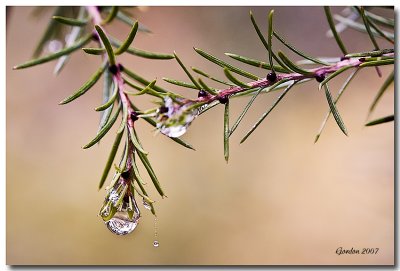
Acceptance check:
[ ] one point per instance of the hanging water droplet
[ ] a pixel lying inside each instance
(121, 224)
(173, 119)
(146, 205)
(156, 243)
(176, 128)
(173, 131)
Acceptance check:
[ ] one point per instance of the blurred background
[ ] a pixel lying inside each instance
(281, 199)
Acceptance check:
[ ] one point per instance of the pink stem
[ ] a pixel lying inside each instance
(124, 98)
(264, 82)
(96, 19)
(95, 14)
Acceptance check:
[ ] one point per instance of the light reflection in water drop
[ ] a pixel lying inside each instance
(173, 120)
(156, 243)
(113, 196)
(173, 131)
(121, 224)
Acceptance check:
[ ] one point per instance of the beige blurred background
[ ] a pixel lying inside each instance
(280, 200)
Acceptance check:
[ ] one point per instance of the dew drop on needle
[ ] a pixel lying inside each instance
(146, 205)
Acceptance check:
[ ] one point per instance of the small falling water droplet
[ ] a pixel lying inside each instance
(155, 242)
(121, 224)
(146, 205)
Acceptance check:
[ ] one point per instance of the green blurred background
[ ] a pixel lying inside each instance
(280, 200)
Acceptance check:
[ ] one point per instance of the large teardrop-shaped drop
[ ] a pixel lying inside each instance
(121, 224)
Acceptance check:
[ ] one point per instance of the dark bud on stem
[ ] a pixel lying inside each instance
(120, 67)
(202, 93)
(113, 69)
(319, 77)
(126, 197)
(134, 116)
(125, 174)
(271, 77)
(163, 109)
(223, 99)
(361, 59)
